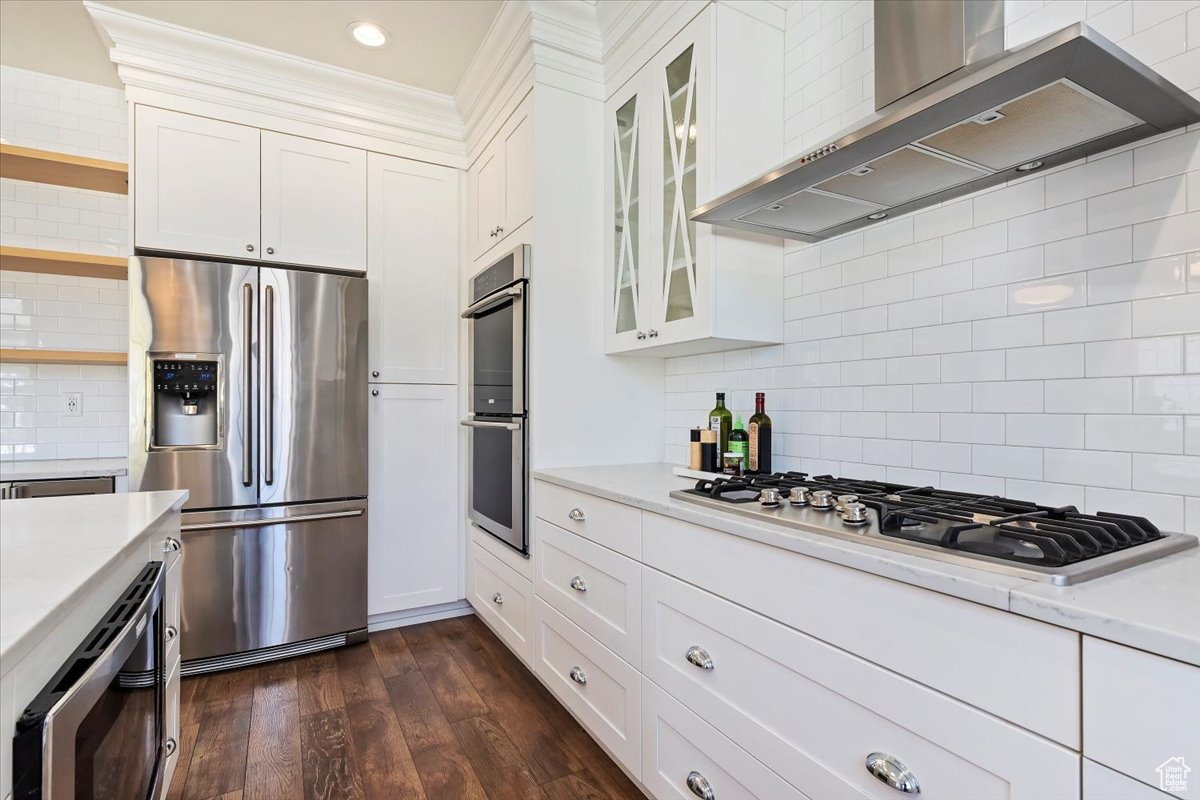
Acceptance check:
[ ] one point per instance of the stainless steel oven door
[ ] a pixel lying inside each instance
(105, 737)
(497, 352)
(496, 488)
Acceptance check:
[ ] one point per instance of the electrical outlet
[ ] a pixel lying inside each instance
(72, 404)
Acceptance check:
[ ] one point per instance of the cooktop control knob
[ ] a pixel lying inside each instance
(798, 496)
(769, 498)
(843, 499)
(854, 514)
(821, 499)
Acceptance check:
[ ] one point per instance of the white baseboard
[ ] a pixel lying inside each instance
(415, 616)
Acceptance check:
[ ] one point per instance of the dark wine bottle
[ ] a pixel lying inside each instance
(760, 438)
(739, 442)
(721, 420)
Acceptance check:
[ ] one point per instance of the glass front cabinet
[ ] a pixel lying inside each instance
(674, 286)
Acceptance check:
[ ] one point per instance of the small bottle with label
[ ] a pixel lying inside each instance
(739, 442)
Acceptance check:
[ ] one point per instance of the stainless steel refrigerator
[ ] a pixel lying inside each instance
(248, 389)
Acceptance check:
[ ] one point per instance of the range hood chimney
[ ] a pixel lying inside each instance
(957, 113)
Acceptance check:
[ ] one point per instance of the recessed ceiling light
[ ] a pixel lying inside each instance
(368, 34)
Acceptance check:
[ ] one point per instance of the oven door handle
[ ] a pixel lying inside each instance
(477, 423)
(492, 300)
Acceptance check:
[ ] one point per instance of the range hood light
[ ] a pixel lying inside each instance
(863, 170)
(988, 117)
(1030, 166)
(775, 207)
(877, 215)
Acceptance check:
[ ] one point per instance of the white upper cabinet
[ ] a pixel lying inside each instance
(674, 286)
(414, 545)
(196, 184)
(412, 259)
(500, 182)
(314, 202)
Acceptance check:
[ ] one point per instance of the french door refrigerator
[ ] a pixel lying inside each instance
(247, 388)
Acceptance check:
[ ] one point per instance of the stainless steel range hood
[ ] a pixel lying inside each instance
(987, 116)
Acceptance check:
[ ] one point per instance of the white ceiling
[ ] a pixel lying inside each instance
(431, 41)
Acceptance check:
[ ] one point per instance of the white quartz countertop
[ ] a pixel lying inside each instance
(1153, 607)
(53, 550)
(62, 468)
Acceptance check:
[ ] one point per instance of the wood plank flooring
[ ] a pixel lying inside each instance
(440, 711)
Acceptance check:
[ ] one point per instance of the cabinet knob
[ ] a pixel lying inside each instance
(892, 771)
(374, 393)
(171, 545)
(498, 599)
(249, 248)
(641, 335)
(577, 514)
(499, 231)
(270, 251)
(699, 786)
(653, 334)
(579, 676)
(578, 584)
(171, 632)
(375, 373)
(700, 657)
(169, 745)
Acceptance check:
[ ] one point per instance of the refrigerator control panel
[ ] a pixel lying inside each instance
(185, 377)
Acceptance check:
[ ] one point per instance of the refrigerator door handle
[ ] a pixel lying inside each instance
(269, 381)
(247, 365)
(262, 523)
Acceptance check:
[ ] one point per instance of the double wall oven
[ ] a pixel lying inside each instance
(97, 730)
(499, 419)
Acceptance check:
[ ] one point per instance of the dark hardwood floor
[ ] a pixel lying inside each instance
(440, 711)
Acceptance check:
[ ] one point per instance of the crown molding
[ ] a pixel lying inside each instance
(555, 42)
(632, 31)
(158, 57)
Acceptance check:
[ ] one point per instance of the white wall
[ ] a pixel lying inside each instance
(1040, 340)
(57, 311)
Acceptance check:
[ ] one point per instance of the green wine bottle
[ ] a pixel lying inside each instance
(721, 420)
(739, 442)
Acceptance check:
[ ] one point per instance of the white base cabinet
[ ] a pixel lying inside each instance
(674, 286)
(503, 599)
(414, 549)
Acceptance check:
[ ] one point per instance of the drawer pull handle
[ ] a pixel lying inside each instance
(171, 545)
(700, 657)
(578, 584)
(498, 599)
(579, 676)
(700, 786)
(892, 771)
(577, 514)
(171, 632)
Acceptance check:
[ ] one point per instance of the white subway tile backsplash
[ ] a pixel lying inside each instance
(976, 242)
(1002, 332)
(941, 396)
(1141, 279)
(943, 220)
(1089, 396)
(1011, 267)
(1173, 155)
(888, 398)
(888, 290)
(952, 338)
(1088, 467)
(913, 369)
(888, 236)
(920, 426)
(1047, 294)
(975, 304)
(1167, 237)
(1135, 433)
(1147, 201)
(972, 366)
(1089, 179)
(1166, 315)
(1167, 394)
(1024, 397)
(888, 452)
(942, 280)
(1007, 462)
(1153, 356)
(915, 313)
(1045, 430)
(913, 257)
(1053, 224)
(1047, 494)
(1086, 252)
(973, 428)
(1050, 361)
(1170, 474)
(1010, 201)
(1112, 321)
(942, 456)
(1167, 509)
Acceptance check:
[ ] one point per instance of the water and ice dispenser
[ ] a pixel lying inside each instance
(186, 399)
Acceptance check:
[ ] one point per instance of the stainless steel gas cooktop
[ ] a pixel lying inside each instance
(998, 534)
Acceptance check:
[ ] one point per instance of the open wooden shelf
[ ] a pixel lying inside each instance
(80, 172)
(17, 356)
(53, 262)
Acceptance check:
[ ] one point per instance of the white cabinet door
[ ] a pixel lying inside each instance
(314, 203)
(412, 262)
(487, 198)
(195, 184)
(516, 138)
(413, 544)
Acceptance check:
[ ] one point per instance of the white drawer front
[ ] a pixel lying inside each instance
(1140, 711)
(602, 690)
(1102, 783)
(681, 747)
(502, 598)
(171, 589)
(171, 716)
(597, 589)
(814, 713)
(611, 524)
(966, 650)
